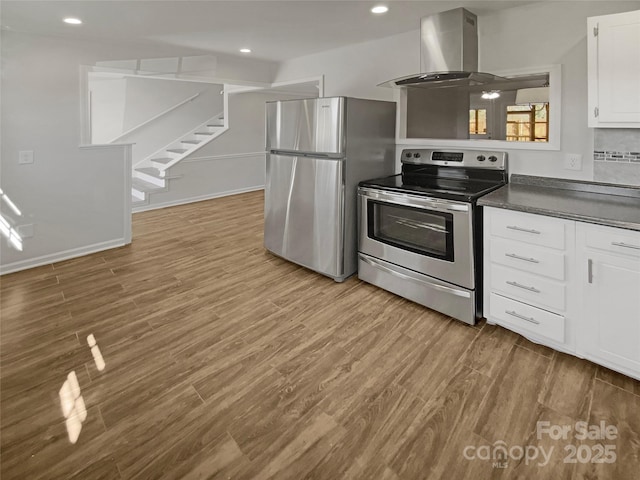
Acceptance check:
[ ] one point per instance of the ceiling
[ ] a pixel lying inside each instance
(274, 30)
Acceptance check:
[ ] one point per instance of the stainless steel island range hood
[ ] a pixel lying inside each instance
(448, 53)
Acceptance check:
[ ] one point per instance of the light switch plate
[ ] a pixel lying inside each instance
(25, 156)
(573, 161)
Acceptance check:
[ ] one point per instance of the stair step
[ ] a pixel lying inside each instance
(203, 133)
(136, 201)
(190, 142)
(215, 126)
(151, 171)
(163, 160)
(142, 186)
(179, 151)
(151, 175)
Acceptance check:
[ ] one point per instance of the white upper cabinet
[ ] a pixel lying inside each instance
(614, 70)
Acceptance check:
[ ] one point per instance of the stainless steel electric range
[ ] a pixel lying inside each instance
(420, 231)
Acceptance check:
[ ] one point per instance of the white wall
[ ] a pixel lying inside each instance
(108, 96)
(355, 70)
(73, 197)
(146, 97)
(231, 163)
(542, 33)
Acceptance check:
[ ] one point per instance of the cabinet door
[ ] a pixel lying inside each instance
(614, 70)
(610, 327)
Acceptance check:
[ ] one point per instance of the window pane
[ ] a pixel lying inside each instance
(482, 121)
(478, 121)
(526, 123)
(541, 112)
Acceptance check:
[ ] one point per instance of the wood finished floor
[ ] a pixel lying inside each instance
(223, 361)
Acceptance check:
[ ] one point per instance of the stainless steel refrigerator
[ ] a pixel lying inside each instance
(317, 152)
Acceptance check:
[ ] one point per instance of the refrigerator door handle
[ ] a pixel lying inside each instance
(293, 153)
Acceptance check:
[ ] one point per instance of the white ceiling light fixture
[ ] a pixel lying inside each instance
(527, 96)
(492, 95)
(245, 50)
(380, 9)
(72, 21)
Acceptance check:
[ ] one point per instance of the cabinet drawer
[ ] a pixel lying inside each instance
(529, 228)
(510, 313)
(533, 259)
(613, 240)
(533, 289)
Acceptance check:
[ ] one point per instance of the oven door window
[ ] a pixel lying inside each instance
(427, 232)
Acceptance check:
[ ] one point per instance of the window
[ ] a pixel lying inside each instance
(478, 121)
(528, 123)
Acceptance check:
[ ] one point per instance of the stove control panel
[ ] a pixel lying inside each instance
(455, 158)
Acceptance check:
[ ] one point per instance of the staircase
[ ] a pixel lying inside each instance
(152, 175)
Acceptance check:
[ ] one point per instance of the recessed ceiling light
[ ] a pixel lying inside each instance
(380, 9)
(245, 50)
(72, 21)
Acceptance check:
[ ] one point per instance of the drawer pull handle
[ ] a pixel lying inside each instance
(625, 245)
(526, 259)
(520, 229)
(524, 287)
(522, 317)
(590, 271)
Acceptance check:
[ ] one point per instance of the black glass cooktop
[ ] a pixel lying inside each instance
(447, 183)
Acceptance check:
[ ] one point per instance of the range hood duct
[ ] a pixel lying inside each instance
(448, 53)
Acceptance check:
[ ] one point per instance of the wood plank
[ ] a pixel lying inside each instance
(619, 409)
(622, 381)
(569, 387)
(512, 404)
(489, 350)
(431, 446)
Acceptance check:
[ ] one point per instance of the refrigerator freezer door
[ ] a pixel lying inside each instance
(307, 126)
(304, 223)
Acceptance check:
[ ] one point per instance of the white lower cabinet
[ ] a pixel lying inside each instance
(609, 267)
(569, 285)
(528, 272)
(520, 316)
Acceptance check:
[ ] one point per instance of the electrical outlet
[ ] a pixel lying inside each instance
(25, 156)
(573, 161)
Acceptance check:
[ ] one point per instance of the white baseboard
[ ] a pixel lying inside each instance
(200, 198)
(60, 256)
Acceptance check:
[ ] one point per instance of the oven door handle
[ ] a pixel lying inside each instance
(435, 286)
(413, 201)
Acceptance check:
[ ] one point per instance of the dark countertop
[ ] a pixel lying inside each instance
(591, 202)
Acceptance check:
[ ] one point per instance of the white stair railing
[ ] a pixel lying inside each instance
(155, 117)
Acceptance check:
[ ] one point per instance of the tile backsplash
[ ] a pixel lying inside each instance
(616, 155)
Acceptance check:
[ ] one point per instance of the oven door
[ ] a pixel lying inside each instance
(429, 235)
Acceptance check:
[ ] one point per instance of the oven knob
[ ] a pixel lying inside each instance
(408, 154)
(480, 158)
(493, 158)
(416, 155)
